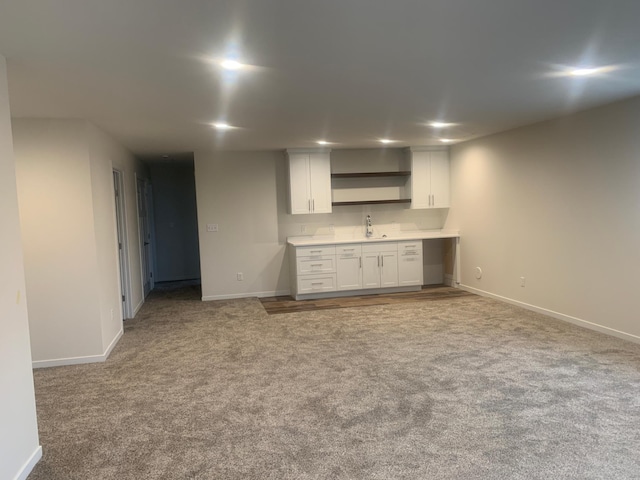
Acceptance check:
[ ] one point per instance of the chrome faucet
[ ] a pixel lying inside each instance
(369, 226)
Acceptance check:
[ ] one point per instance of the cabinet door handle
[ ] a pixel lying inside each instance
(382, 256)
(313, 204)
(360, 261)
(309, 205)
(378, 260)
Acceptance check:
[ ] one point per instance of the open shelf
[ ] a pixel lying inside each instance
(370, 202)
(403, 173)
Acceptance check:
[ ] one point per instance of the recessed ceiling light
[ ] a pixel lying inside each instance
(222, 126)
(229, 64)
(387, 140)
(441, 124)
(323, 142)
(588, 71)
(447, 140)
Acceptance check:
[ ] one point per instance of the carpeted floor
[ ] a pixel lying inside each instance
(463, 388)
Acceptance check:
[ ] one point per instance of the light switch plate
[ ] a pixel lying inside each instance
(212, 227)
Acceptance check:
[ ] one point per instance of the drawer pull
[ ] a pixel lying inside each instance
(316, 283)
(312, 251)
(410, 246)
(316, 264)
(348, 249)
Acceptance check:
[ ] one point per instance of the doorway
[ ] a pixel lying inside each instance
(123, 246)
(143, 195)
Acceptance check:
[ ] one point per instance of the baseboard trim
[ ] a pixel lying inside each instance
(137, 308)
(28, 467)
(113, 343)
(272, 293)
(61, 362)
(557, 315)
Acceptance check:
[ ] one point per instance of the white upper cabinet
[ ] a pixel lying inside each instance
(309, 181)
(429, 178)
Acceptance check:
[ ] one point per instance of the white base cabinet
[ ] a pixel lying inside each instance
(355, 267)
(349, 266)
(410, 269)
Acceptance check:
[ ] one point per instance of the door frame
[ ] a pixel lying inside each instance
(123, 242)
(146, 186)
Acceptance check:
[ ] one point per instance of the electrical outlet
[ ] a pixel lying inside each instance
(303, 229)
(240, 276)
(332, 228)
(522, 281)
(212, 227)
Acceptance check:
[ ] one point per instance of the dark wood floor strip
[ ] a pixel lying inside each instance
(286, 304)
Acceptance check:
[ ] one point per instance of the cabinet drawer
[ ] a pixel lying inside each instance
(308, 265)
(405, 247)
(317, 251)
(317, 283)
(380, 247)
(349, 249)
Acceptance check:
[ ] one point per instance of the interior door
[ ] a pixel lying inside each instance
(145, 234)
(122, 244)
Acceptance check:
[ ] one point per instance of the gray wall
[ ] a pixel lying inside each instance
(177, 255)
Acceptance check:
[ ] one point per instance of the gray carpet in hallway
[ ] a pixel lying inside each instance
(464, 388)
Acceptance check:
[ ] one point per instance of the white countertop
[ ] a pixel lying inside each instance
(312, 240)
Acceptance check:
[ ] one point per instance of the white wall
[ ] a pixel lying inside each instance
(18, 428)
(559, 204)
(56, 213)
(109, 153)
(65, 194)
(238, 192)
(245, 193)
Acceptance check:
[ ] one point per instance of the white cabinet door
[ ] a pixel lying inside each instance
(309, 182)
(388, 269)
(370, 270)
(410, 269)
(299, 186)
(320, 182)
(420, 180)
(349, 269)
(430, 179)
(440, 180)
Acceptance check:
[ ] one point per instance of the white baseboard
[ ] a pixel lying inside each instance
(559, 316)
(26, 469)
(137, 308)
(59, 362)
(275, 293)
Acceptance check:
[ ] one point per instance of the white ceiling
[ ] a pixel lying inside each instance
(350, 71)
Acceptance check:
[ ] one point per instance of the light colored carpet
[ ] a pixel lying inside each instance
(465, 388)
